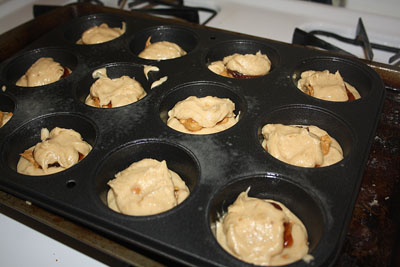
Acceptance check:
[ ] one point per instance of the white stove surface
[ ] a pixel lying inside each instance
(273, 19)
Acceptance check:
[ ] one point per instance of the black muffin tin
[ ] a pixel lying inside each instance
(215, 167)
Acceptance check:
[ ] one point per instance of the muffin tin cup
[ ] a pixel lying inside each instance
(19, 65)
(242, 46)
(7, 104)
(352, 73)
(303, 204)
(74, 31)
(28, 135)
(215, 167)
(183, 37)
(178, 159)
(113, 71)
(201, 89)
(312, 116)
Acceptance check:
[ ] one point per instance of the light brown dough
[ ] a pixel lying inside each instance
(161, 50)
(262, 232)
(101, 34)
(44, 71)
(327, 86)
(59, 150)
(4, 117)
(203, 115)
(111, 93)
(146, 187)
(299, 145)
(242, 66)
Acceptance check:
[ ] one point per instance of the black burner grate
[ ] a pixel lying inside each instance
(310, 39)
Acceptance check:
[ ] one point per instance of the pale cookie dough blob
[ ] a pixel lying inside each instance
(303, 146)
(44, 71)
(210, 115)
(159, 82)
(327, 86)
(262, 232)
(59, 150)
(99, 73)
(111, 93)
(101, 34)
(4, 117)
(148, 68)
(146, 187)
(161, 51)
(242, 66)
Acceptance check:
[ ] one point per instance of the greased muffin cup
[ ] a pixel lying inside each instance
(215, 167)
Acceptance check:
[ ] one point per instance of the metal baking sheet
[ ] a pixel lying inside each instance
(215, 167)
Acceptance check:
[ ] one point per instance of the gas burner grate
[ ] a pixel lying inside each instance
(361, 39)
(172, 8)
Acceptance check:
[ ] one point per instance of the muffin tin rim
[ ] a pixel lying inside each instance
(75, 87)
(354, 64)
(37, 53)
(129, 145)
(258, 125)
(93, 17)
(259, 176)
(242, 40)
(165, 27)
(11, 135)
(167, 93)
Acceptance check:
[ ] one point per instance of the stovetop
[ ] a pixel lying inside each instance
(272, 19)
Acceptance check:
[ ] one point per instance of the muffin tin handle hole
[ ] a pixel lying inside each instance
(70, 184)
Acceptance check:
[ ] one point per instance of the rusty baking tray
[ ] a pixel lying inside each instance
(215, 167)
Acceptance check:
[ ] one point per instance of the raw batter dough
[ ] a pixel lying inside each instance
(161, 50)
(242, 66)
(204, 115)
(59, 150)
(146, 187)
(262, 232)
(111, 93)
(303, 146)
(327, 86)
(4, 117)
(44, 71)
(101, 34)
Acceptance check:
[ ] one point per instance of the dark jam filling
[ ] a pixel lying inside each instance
(238, 75)
(349, 94)
(56, 164)
(287, 234)
(276, 206)
(67, 72)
